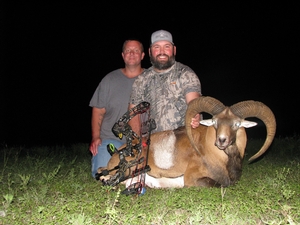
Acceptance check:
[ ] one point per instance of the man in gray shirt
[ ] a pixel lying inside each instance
(110, 102)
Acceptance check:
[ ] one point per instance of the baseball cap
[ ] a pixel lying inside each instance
(161, 35)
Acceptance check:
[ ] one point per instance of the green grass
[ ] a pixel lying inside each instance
(53, 185)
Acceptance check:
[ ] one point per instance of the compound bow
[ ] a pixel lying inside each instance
(121, 128)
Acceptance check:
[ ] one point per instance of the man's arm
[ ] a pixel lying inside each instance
(189, 97)
(135, 122)
(97, 118)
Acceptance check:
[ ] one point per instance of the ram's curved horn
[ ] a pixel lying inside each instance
(259, 110)
(202, 104)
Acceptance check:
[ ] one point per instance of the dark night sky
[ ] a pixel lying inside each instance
(55, 54)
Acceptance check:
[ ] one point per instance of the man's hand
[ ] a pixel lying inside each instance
(94, 145)
(195, 121)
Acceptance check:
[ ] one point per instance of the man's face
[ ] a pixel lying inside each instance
(162, 55)
(132, 53)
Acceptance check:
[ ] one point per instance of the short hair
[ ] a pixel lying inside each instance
(133, 39)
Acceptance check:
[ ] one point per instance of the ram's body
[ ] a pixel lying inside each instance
(210, 155)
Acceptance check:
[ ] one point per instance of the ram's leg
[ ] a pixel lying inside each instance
(105, 173)
(102, 174)
(114, 161)
(198, 176)
(164, 182)
(207, 182)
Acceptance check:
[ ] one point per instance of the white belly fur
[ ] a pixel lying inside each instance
(163, 151)
(163, 182)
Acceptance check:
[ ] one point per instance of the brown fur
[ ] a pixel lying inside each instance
(210, 155)
(210, 169)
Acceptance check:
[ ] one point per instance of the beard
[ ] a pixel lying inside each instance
(162, 65)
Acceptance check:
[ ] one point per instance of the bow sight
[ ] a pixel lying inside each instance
(121, 128)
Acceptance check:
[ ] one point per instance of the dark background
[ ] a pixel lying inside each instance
(53, 55)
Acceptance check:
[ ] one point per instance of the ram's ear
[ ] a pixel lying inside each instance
(248, 124)
(208, 122)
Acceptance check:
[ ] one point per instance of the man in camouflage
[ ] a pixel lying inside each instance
(168, 86)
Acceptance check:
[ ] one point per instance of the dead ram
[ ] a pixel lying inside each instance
(208, 156)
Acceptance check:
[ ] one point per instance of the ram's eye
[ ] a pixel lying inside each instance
(237, 124)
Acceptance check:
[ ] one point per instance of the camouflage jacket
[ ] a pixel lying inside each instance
(166, 93)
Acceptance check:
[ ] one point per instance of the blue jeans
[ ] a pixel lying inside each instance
(103, 156)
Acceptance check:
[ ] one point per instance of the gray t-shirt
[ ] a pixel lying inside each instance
(166, 94)
(113, 94)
